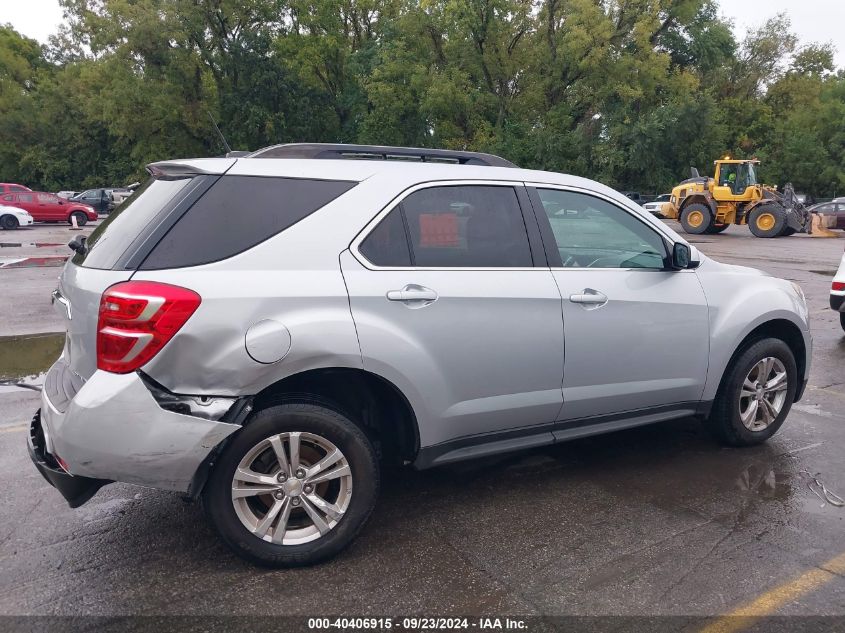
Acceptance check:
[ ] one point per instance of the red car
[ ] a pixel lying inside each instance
(10, 187)
(48, 207)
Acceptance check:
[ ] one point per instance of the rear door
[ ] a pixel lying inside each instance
(467, 319)
(27, 202)
(637, 334)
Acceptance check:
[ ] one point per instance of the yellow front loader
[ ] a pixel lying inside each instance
(733, 196)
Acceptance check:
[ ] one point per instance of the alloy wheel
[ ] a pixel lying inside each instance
(292, 488)
(763, 394)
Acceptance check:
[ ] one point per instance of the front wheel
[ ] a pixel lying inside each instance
(767, 220)
(81, 218)
(756, 394)
(294, 487)
(9, 222)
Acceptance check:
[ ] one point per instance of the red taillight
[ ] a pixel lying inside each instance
(136, 320)
(838, 285)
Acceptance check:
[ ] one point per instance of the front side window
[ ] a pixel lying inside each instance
(466, 226)
(45, 198)
(16, 188)
(592, 233)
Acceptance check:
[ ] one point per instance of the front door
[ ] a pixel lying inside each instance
(636, 334)
(450, 307)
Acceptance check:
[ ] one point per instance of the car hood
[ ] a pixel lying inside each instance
(712, 266)
(14, 211)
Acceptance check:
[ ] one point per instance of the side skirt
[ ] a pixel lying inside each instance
(486, 444)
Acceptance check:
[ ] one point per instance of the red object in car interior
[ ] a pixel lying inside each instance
(137, 319)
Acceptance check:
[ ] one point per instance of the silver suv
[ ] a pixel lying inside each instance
(261, 331)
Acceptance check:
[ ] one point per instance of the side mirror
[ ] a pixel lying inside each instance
(681, 256)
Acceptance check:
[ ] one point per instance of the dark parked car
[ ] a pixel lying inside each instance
(633, 195)
(100, 199)
(833, 208)
(48, 207)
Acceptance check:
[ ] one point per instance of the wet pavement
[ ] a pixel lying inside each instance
(655, 520)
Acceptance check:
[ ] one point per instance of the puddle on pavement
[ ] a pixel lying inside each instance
(27, 358)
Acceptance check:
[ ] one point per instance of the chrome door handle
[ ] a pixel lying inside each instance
(412, 292)
(589, 297)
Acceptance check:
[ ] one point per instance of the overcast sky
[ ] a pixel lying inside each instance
(812, 20)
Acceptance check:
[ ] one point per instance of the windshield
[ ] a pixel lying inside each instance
(117, 232)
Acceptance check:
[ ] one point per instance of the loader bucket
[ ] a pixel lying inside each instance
(821, 224)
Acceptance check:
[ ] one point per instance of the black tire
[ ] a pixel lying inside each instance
(842, 320)
(788, 231)
(767, 220)
(717, 228)
(9, 222)
(696, 218)
(289, 417)
(81, 218)
(725, 422)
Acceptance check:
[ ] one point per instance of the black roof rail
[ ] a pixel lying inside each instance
(379, 152)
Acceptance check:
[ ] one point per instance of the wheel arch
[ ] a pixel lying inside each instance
(779, 328)
(701, 199)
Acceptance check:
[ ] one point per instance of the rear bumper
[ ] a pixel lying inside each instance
(113, 429)
(76, 490)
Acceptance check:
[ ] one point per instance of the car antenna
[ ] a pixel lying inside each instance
(222, 138)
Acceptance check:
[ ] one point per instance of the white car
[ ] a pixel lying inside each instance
(654, 206)
(12, 217)
(837, 292)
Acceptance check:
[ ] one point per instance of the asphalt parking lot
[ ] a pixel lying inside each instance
(652, 521)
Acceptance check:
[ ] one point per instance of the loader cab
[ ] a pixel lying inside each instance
(734, 177)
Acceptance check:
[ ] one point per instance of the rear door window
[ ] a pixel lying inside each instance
(467, 226)
(387, 244)
(237, 213)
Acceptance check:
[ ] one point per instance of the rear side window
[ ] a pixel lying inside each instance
(467, 226)
(237, 213)
(110, 240)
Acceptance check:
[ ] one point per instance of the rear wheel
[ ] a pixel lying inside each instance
(767, 220)
(756, 394)
(282, 493)
(696, 218)
(81, 218)
(9, 222)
